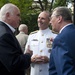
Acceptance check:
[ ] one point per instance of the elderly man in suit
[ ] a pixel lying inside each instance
(62, 58)
(12, 59)
(22, 36)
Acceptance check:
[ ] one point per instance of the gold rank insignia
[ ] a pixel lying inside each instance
(34, 32)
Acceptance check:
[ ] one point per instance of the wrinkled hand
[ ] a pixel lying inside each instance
(33, 58)
(45, 59)
(39, 59)
(29, 51)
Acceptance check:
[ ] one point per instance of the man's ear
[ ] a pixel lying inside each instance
(7, 14)
(59, 19)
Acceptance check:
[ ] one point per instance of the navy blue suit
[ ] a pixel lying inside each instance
(12, 59)
(62, 58)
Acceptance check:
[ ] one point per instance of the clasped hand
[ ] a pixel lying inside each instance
(39, 59)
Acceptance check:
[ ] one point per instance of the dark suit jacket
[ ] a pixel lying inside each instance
(62, 58)
(12, 60)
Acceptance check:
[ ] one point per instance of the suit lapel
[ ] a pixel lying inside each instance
(10, 31)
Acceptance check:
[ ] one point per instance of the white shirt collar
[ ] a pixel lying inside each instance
(64, 27)
(12, 29)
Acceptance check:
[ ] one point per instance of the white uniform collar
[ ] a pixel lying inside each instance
(45, 31)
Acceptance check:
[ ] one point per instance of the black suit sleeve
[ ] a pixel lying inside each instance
(11, 55)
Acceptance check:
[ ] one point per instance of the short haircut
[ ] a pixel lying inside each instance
(22, 26)
(64, 12)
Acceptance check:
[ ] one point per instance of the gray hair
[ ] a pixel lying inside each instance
(64, 12)
(22, 27)
(7, 8)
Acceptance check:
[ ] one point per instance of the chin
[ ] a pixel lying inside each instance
(53, 29)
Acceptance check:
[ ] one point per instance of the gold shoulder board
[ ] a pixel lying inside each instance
(34, 32)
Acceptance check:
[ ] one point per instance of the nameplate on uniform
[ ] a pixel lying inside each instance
(34, 40)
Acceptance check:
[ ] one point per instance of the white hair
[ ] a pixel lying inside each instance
(22, 26)
(7, 8)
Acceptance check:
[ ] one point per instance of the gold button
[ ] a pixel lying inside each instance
(42, 34)
(41, 50)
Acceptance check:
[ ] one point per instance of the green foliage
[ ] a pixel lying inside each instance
(31, 21)
(59, 3)
(2, 2)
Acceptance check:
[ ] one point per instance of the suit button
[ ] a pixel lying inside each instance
(40, 70)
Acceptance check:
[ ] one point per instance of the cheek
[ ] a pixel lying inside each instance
(15, 21)
(53, 24)
(51, 21)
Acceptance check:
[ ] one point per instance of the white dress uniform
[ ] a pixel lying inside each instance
(40, 44)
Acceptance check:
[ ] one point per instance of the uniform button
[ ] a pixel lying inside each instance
(42, 34)
(41, 50)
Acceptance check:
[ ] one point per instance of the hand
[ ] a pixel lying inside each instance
(51, 39)
(45, 59)
(29, 51)
(39, 59)
(36, 59)
(33, 58)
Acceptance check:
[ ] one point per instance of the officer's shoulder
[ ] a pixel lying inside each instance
(34, 32)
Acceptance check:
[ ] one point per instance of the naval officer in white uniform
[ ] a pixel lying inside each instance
(39, 42)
